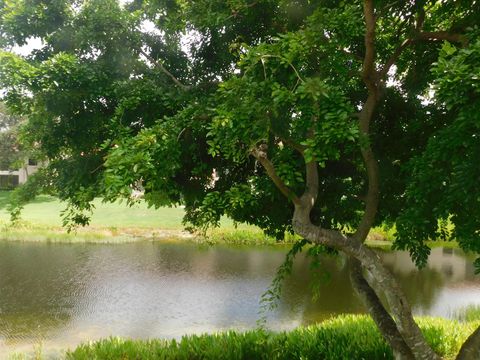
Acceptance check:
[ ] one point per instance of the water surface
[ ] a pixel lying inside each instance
(59, 295)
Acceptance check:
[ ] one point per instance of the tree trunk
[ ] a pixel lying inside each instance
(384, 281)
(382, 318)
(470, 349)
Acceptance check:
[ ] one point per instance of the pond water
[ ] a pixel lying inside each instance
(58, 295)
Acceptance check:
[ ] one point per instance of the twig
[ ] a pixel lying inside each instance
(162, 68)
(261, 156)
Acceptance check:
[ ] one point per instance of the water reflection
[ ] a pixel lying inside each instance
(65, 294)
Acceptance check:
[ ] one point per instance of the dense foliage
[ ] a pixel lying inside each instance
(338, 115)
(167, 93)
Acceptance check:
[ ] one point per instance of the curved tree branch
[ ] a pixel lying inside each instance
(261, 156)
(394, 57)
(421, 36)
(384, 281)
(163, 69)
(370, 77)
(371, 166)
(290, 142)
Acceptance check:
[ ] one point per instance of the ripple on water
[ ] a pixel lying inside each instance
(61, 295)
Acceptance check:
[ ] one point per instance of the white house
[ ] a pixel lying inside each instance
(13, 178)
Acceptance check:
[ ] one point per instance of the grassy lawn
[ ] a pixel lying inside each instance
(45, 210)
(117, 222)
(41, 220)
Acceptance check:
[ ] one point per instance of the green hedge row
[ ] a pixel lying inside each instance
(345, 337)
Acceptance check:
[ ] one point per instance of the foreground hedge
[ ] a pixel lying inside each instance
(345, 337)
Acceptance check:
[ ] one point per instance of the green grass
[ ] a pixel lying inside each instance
(344, 337)
(468, 313)
(116, 222)
(119, 223)
(45, 211)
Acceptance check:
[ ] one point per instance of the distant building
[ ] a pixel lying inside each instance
(10, 179)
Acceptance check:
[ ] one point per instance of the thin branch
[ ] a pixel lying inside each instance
(288, 62)
(290, 142)
(311, 189)
(418, 36)
(296, 146)
(387, 7)
(421, 36)
(235, 13)
(442, 35)
(162, 68)
(392, 60)
(261, 156)
(420, 19)
(351, 54)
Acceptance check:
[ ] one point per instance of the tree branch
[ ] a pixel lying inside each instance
(162, 68)
(236, 12)
(371, 165)
(311, 189)
(420, 19)
(393, 59)
(289, 142)
(384, 281)
(261, 156)
(442, 35)
(368, 71)
(311, 176)
(421, 36)
(370, 77)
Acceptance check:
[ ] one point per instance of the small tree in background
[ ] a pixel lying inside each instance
(10, 153)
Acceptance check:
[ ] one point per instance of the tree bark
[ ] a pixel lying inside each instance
(399, 328)
(470, 349)
(379, 314)
(383, 280)
(411, 341)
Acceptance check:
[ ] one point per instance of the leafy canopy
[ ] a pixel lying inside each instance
(176, 95)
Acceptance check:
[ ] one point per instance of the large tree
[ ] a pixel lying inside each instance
(321, 118)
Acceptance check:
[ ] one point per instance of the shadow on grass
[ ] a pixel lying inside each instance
(5, 196)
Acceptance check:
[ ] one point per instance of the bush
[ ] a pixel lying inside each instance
(344, 337)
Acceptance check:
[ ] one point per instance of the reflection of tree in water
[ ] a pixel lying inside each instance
(45, 287)
(38, 288)
(335, 293)
(421, 286)
(218, 262)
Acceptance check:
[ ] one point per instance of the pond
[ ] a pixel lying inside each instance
(58, 295)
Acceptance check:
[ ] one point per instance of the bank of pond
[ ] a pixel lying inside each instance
(56, 296)
(348, 337)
